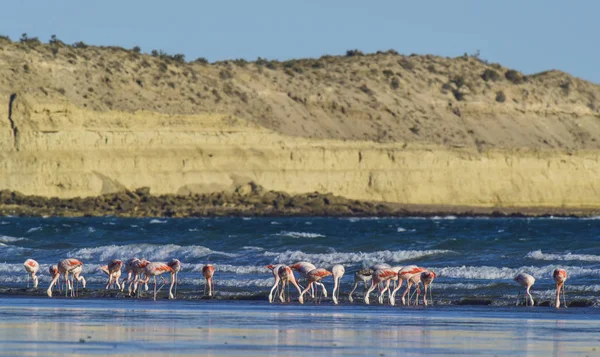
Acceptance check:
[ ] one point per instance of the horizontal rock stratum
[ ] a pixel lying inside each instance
(415, 130)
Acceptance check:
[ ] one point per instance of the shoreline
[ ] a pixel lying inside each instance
(195, 295)
(252, 201)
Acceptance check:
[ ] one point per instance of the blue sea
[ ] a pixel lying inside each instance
(473, 257)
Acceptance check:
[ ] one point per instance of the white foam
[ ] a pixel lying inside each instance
(250, 247)
(438, 218)
(247, 218)
(91, 229)
(328, 259)
(495, 273)
(152, 252)
(228, 268)
(9, 239)
(299, 234)
(4, 223)
(400, 229)
(34, 229)
(275, 223)
(537, 254)
(158, 221)
(238, 283)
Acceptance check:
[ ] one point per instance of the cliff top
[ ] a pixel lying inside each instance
(385, 97)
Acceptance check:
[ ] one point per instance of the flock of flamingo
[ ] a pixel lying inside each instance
(381, 276)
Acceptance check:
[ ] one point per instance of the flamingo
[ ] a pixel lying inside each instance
(175, 264)
(275, 270)
(64, 267)
(380, 276)
(76, 276)
(53, 270)
(338, 271)
(304, 268)
(405, 273)
(286, 275)
(208, 271)
(154, 270)
(32, 267)
(526, 281)
(113, 270)
(136, 266)
(129, 268)
(363, 275)
(427, 279)
(560, 276)
(315, 276)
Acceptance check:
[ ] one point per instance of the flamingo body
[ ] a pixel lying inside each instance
(526, 281)
(208, 271)
(338, 272)
(560, 276)
(32, 267)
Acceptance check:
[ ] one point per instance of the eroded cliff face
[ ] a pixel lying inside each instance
(72, 126)
(65, 151)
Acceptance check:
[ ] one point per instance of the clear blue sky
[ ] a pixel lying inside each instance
(529, 35)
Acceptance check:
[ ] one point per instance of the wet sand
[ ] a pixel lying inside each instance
(69, 327)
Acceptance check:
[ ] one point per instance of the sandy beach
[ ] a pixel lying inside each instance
(63, 327)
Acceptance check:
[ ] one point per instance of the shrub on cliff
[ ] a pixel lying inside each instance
(353, 53)
(514, 76)
(500, 97)
(30, 41)
(490, 75)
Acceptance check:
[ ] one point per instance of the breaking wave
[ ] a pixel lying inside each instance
(537, 254)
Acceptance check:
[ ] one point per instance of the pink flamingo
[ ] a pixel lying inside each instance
(406, 273)
(363, 275)
(53, 270)
(157, 269)
(560, 276)
(208, 271)
(427, 280)
(64, 267)
(113, 270)
(275, 270)
(380, 276)
(338, 272)
(304, 268)
(135, 267)
(286, 275)
(315, 276)
(175, 264)
(526, 281)
(32, 267)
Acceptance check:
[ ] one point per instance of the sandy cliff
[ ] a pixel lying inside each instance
(414, 130)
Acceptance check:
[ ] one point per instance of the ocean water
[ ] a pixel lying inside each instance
(473, 257)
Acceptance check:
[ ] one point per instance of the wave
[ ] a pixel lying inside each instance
(158, 221)
(152, 252)
(366, 259)
(9, 239)
(34, 229)
(495, 273)
(238, 283)
(299, 234)
(227, 268)
(537, 254)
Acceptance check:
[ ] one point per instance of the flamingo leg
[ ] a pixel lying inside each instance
(155, 288)
(373, 286)
(564, 298)
(352, 291)
(275, 287)
(171, 287)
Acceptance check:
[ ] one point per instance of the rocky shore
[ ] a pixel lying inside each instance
(246, 200)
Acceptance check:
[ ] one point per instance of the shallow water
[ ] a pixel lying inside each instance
(69, 327)
(473, 257)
